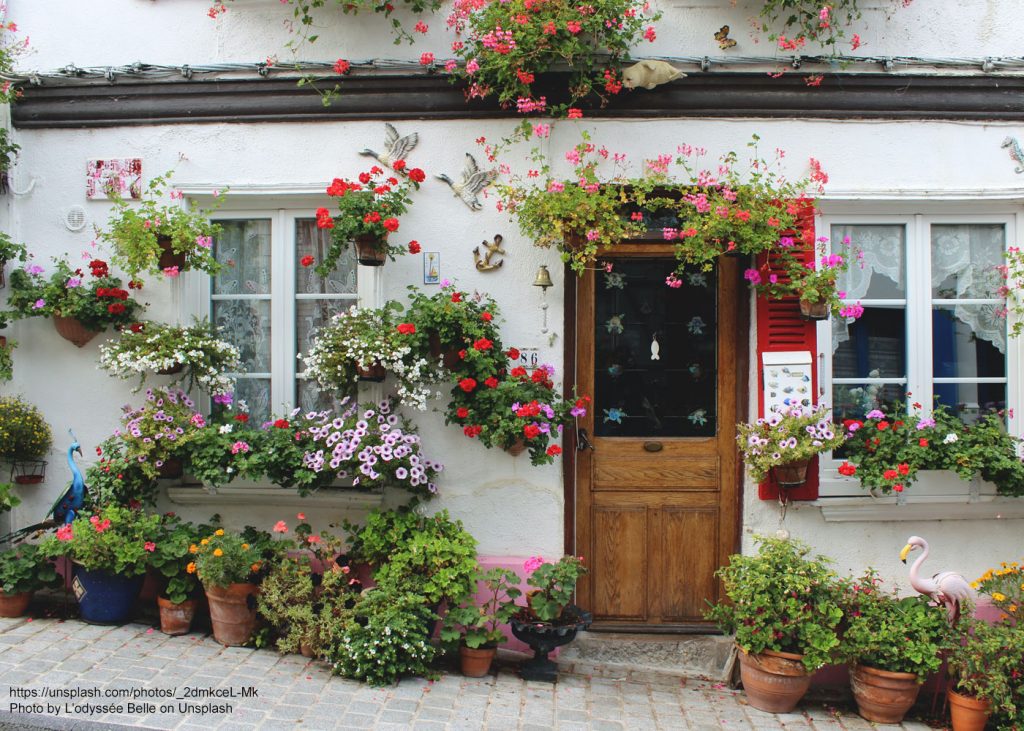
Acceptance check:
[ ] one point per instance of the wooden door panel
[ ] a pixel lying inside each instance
(688, 553)
(619, 564)
(656, 473)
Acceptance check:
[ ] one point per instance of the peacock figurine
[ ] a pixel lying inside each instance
(67, 505)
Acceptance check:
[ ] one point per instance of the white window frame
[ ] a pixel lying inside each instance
(942, 495)
(282, 214)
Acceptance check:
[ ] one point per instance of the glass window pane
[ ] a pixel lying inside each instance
(965, 260)
(243, 247)
(881, 271)
(309, 397)
(873, 346)
(313, 241)
(637, 394)
(971, 400)
(310, 316)
(254, 394)
(855, 400)
(246, 325)
(968, 341)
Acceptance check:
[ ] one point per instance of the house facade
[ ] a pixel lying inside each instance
(650, 489)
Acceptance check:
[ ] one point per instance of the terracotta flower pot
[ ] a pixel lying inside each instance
(232, 612)
(883, 696)
(306, 650)
(516, 448)
(791, 474)
(168, 258)
(450, 355)
(176, 368)
(71, 329)
(371, 251)
(813, 310)
(176, 619)
(14, 605)
(171, 468)
(476, 662)
(968, 713)
(774, 681)
(375, 373)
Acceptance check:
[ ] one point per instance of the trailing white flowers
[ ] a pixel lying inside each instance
(145, 347)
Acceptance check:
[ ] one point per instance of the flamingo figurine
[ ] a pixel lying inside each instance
(947, 587)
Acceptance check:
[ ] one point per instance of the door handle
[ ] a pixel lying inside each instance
(653, 446)
(582, 442)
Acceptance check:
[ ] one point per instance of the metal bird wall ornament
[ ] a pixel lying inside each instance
(1015, 152)
(946, 587)
(474, 181)
(395, 147)
(483, 263)
(67, 506)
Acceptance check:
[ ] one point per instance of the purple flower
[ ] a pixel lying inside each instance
(224, 399)
(875, 414)
(34, 269)
(73, 282)
(925, 423)
(39, 304)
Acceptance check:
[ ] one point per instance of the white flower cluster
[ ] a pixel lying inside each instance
(155, 347)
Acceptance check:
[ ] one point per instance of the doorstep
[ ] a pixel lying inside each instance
(641, 657)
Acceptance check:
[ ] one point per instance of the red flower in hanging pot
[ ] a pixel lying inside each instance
(462, 412)
(483, 344)
(406, 328)
(115, 308)
(414, 247)
(417, 176)
(531, 431)
(391, 224)
(467, 384)
(491, 382)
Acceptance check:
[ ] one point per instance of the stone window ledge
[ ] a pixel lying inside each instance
(918, 507)
(266, 494)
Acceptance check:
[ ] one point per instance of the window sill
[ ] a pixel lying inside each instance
(272, 495)
(918, 507)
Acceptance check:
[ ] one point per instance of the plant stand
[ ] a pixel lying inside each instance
(543, 637)
(28, 471)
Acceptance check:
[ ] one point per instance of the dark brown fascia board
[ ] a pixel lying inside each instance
(77, 104)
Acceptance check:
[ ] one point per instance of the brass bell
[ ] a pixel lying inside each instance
(543, 279)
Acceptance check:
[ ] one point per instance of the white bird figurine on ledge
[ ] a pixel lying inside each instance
(947, 587)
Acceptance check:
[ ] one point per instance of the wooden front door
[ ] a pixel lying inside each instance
(657, 494)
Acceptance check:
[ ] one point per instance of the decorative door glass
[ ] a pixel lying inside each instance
(655, 351)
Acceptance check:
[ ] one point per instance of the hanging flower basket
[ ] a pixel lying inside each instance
(375, 373)
(72, 329)
(176, 368)
(168, 258)
(171, 469)
(814, 310)
(516, 448)
(28, 471)
(791, 474)
(371, 250)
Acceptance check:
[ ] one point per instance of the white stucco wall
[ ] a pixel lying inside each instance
(513, 508)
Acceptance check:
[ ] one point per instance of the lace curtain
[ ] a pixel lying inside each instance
(882, 253)
(964, 266)
(964, 261)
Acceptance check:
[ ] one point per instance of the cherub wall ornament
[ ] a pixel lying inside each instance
(483, 263)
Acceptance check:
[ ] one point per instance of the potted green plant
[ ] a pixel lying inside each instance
(110, 550)
(229, 566)
(175, 550)
(1005, 588)
(893, 644)
(476, 625)
(451, 320)
(25, 438)
(986, 669)
(549, 619)
(6, 361)
(886, 451)
(783, 443)
(8, 151)
(368, 212)
(506, 46)
(366, 344)
(784, 609)
(117, 478)
(352, 446)
(81, 307)
(8, 500)
(157, 433)
(23, 571)
(157, 237)
(10, 250)
(197, 352)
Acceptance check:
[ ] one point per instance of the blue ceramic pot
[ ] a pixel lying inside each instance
(106, 598)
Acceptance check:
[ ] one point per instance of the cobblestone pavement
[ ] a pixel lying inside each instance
(295, 693)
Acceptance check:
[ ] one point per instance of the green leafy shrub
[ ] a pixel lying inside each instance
(782, 599)
(478, 625)
(988, 663)
(117, 540)
(24, 568)
(8, 500)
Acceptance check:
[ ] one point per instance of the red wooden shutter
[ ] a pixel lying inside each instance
(780, 328)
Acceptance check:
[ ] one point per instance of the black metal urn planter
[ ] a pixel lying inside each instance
(543, 637)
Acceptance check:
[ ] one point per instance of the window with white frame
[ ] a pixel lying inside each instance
(932, 326)
(270, 305)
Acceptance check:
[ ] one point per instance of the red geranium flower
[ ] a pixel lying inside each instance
(922, 442)
(137, 327)
(406, 328)
(531, 431)
(341, 66)
(518, 372)
(847, 469)
(242, 417)
(554, 450)
(281, 424)
(491, 382)
(115, 308)
(398, 165)
(903, 468)
(483, 344)
(882, 425)
(414, 247)
(456, 296)
(391, 224)
(472, 431)
(307, 260)
(486, 316)
(417, 176)
(462, 412)
(467, 384)
(890, 475)
(513, 353)
(364, 178)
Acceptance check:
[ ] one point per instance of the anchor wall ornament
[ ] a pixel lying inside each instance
(1015, 152)
(483, 263)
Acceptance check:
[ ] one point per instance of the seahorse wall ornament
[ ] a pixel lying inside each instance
(1016, 153)
(483, 263)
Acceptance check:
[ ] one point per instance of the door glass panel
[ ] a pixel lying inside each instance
(655, 351)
